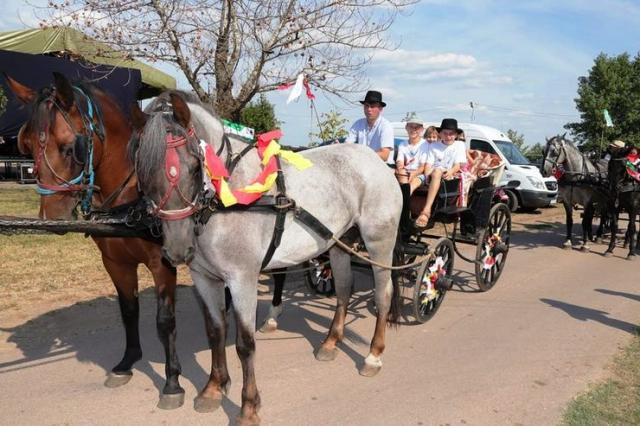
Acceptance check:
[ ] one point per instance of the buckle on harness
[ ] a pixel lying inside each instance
(282, 202)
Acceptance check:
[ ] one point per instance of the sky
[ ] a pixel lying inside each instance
(517, 61)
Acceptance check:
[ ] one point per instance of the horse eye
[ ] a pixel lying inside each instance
(66, 150)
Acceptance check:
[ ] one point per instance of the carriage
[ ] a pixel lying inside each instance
(470, 210)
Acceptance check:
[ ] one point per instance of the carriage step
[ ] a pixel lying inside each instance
(415, 249)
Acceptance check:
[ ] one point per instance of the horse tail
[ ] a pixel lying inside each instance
(396, 298)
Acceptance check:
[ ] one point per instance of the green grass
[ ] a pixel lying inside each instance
(615, 401)
(17, 201)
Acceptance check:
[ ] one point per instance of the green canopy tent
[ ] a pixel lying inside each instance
(73, 43)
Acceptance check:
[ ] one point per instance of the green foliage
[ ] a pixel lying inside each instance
(613, 83)
(259, 115)
(534, 152)
(331, 127)
(516, 138)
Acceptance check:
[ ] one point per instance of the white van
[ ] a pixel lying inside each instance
(534, 191)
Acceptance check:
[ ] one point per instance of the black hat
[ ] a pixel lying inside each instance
(373, 96)
(449, 124)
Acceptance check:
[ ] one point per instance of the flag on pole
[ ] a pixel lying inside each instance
(297, 89)
(607, 118)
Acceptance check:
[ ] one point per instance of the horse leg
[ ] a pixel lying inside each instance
(164, 276)
(613, 221)
(212, 295)
(270, 323)
(343, 278)
(245, 302)
(600, 230)
(125, 279)
(631, 230)
(587, 230)
(568, 209)
(381, 251)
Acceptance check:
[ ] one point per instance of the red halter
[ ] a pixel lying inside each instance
(172, 172)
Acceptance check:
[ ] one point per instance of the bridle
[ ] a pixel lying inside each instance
(172, 173)
(82, 151)
(557, 169)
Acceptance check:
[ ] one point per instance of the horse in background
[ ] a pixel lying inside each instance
(67, 134)
(625, 195)
(579, 182)
(230, 248)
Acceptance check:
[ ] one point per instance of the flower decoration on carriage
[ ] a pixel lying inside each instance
(489, 260)
(268, 149)
(632, 164)
(436, 271)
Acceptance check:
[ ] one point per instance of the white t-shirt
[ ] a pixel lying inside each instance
(442, 156)
(379, 136)
(412, 156)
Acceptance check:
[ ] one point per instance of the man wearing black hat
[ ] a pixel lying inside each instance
(444, 160)
(373, 130)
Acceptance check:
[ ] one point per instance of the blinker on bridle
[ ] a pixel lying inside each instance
(82, 152)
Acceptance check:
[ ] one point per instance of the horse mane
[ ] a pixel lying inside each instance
(150, 144)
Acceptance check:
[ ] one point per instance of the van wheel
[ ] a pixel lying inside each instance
(512, 203)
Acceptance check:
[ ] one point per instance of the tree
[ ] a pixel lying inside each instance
(259, 115)
(331, 127)
(231, 50)
(613, 84)
(534, 153)
(517, 139)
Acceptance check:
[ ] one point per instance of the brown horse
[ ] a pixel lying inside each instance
(78, 138)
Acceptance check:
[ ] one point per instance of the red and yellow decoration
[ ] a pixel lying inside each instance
(268, 148)
(633, 166)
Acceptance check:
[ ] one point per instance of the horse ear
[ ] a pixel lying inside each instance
(64, 91)
(138, 117)
(564, 135)
(23, 93)
(181, 111)
(547, 139)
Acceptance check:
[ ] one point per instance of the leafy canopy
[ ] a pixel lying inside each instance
(613, 84)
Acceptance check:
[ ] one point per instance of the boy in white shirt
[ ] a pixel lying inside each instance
(412, 155)
(444, 160)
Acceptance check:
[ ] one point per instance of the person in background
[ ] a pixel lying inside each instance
(373, 130)
(431, 134)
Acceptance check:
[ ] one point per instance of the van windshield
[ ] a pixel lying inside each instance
(512, 153)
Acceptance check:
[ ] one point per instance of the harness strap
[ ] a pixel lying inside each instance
(283, 204)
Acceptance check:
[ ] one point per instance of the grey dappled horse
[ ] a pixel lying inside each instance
(347, 186)
(580, 183)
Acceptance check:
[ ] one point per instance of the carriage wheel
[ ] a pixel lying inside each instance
(433, 280)
(320, 277)
(493, 246)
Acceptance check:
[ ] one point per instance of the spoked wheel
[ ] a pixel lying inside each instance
(493, 246)
(320, 277)
(433, 281)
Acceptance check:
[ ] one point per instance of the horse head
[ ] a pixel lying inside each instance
(553, 155)
(168, 162)
(59, 134)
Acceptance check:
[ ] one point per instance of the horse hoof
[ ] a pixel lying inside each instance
(607, 254)
(372, 366)
(631, 257)
(171, 401)
(598, 240)
(585, 249)
(269, 326)
(253, 420)
(206, 405)
(326, 354)
(567, 245)
(115, 380)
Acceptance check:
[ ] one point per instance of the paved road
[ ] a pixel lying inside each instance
(514, 355)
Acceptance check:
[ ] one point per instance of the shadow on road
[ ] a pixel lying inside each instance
(588, 314)
(635, 297)
(91, 331)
